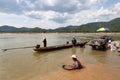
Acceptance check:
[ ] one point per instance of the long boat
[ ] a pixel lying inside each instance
(57, 47)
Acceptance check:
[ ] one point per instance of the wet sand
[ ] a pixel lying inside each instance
(90, 72)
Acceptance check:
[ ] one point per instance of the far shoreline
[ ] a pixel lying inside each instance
(63, 32)
(59, 32)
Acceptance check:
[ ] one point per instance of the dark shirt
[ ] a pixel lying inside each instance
(74, 41)
(45, 42)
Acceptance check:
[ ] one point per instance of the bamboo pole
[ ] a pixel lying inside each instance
(17, 48)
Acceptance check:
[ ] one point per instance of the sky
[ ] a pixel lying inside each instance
(51, 14)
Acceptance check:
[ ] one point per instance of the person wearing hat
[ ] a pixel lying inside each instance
(76, 64)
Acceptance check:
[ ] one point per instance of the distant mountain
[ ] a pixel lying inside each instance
(37, 29)
(113, 25)
(7, 28)
(65, 29)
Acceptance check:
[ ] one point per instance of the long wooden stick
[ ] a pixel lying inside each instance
(17, 48)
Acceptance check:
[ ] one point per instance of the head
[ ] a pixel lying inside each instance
(74, 57)
(109, 41)
(73, 37)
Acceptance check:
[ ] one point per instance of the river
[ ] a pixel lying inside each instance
(26, 64)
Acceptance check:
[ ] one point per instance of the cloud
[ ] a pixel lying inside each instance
(55, 10)
(62, 12)
(98, 2)
(61, 18)
(66, 6)
(49, 15)
(117, 8)
(59, 5)
(109, 13)
(9, 6)
(101, 14)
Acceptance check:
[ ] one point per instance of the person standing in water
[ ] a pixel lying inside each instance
(74, 41)
(45, 42)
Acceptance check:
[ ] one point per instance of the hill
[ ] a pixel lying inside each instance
(113, 25)
(7, 28)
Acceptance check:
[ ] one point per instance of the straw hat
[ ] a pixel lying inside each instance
(74, 56)
(109, 41)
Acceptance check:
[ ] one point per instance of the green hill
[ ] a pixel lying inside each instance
(113, 25)
(7, 28)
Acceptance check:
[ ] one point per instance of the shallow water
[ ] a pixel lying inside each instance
(26, 64)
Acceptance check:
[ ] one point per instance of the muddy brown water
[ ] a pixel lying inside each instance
(26, 64)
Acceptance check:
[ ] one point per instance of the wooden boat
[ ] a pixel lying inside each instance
(57, 47)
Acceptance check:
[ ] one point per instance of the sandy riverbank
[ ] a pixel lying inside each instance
(90, 72)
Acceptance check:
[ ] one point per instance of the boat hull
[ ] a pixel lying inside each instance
(57, 47)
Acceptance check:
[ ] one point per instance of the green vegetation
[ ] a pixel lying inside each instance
(113, 25)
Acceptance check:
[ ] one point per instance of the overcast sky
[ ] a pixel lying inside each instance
(56, 13)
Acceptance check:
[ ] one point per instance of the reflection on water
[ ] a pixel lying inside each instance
(99, 56)
(26, 64)
(73, 50)
(37, 55)
(7, 37)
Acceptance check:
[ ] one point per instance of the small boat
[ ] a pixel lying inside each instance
(57, 47)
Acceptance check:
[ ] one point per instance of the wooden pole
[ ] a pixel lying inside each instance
(17, 48)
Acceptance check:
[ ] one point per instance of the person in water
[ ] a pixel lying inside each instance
(76, 64)
(74, 41)
(45, 42)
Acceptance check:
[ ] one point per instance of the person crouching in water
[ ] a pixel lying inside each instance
(75, 65)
